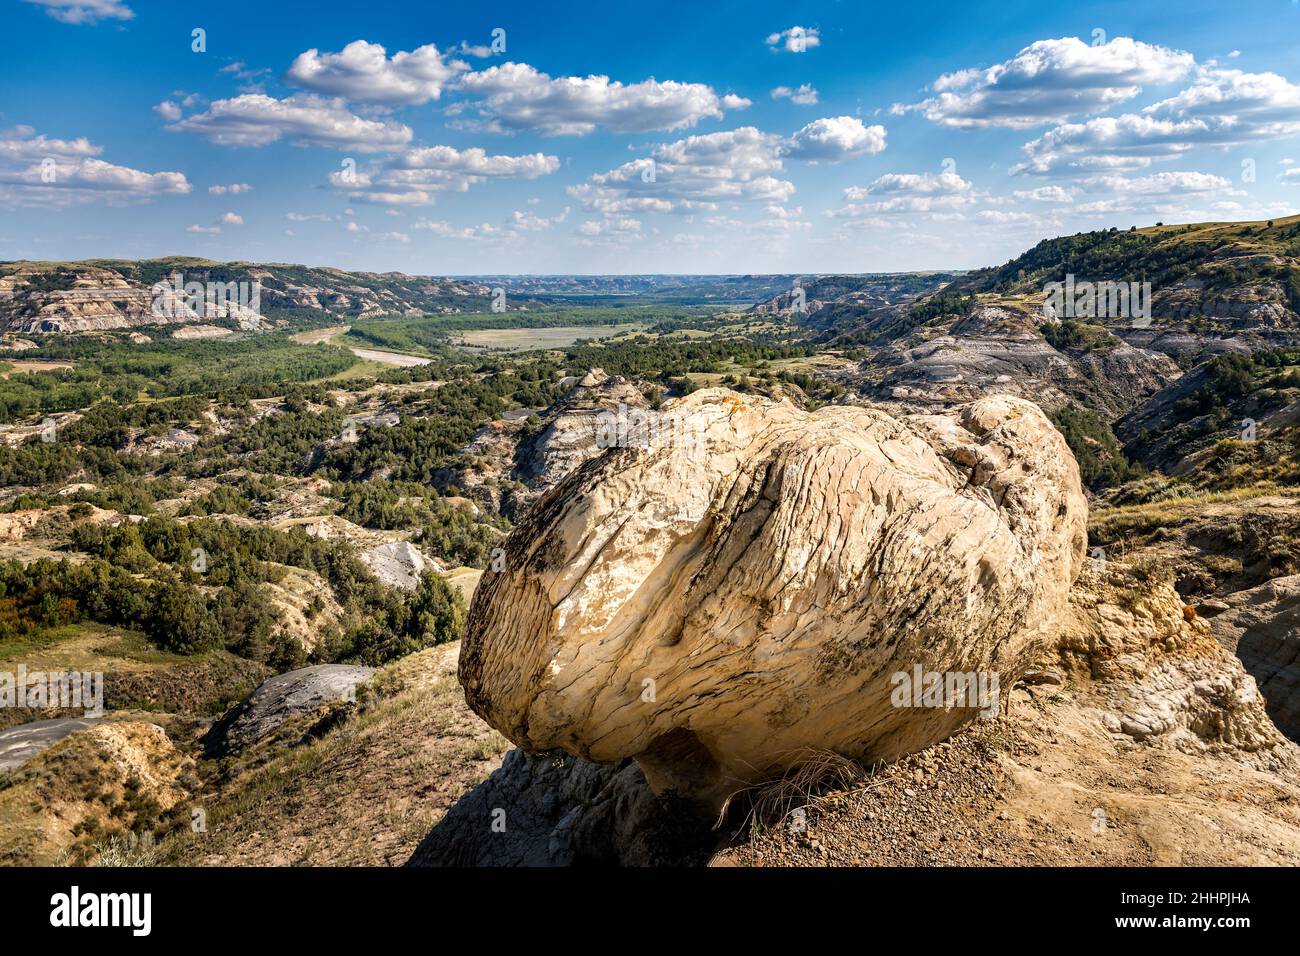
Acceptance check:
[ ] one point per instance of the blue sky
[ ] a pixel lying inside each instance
(755, 137)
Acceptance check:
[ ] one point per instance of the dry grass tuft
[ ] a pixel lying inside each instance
(813, 774)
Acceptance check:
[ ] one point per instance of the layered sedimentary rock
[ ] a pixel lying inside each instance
(578, 429)
(1159, 674)
(1001, 350)
(1262, 625)
(91, 299)
(38, 297)
(745, 582)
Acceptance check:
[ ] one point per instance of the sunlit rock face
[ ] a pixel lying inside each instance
(745, 582)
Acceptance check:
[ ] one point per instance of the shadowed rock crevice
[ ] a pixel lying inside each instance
(557, 810)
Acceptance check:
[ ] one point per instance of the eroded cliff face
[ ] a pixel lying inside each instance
(1002, 350)
(88, 300)
(1262, 626)
(587, 419)
(746, 585)
(40, 297)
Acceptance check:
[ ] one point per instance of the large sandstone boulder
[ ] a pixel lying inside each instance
(745, 583)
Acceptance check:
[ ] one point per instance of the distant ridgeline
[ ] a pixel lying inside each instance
(106, 294)
(1246, 271)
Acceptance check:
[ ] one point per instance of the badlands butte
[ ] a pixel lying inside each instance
(869, 569)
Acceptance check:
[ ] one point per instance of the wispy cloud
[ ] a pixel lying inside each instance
(84, 11)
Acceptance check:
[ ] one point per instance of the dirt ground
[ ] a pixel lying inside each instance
(1044, 786)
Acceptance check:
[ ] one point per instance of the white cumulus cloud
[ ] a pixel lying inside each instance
(804, 94)
(363, 72)
(905, 193)
(835, 138)
(518, 97)
(693, 174)
(255, 119)
(411, 176)
(795, 39)
(38, 170)
(1050, 81)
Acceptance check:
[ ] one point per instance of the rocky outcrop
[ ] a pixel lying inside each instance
(1158, 675)
(1262, 626)
(38, 297)
(1173, 433)
(398, 564)
(746, 586)
(489, 480)
(1254, 304)
(833, 300)
(95, 299)
(1187, 347)
(284, 697)
(1117, 377)
(1000, 350)
(516, 458)
(577, 432)
(87, 298)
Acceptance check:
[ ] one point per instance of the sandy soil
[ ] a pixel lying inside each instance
(317, 336)
(390, 358)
